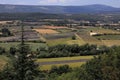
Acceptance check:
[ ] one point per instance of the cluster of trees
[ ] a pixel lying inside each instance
(62, 51)
(71, 50)
(58, 71)
(102, 67)
(5, 32)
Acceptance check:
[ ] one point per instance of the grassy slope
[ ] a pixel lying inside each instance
(78, 41)
(68, 41)
(3, 61)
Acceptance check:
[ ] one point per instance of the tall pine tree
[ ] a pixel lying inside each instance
(24, 66)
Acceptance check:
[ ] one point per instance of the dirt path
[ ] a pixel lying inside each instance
(62, 62)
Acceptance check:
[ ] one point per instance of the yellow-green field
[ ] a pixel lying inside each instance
(89, 39)
(102, 30)
(68, 41)
(33, 46)
(72, 65)
(78, 41)
(64, 58)
(3, 61)
(111, 42)
(57, 41)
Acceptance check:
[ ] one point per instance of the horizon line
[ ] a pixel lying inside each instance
(55, 5)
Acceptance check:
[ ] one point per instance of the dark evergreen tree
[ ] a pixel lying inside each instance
(24, 66)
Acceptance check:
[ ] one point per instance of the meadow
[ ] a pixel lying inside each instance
(72, 65)
(102, 30)
(33, 46)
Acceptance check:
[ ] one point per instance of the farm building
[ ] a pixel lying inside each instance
(93, 34)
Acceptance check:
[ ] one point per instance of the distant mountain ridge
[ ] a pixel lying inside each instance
(6, 8)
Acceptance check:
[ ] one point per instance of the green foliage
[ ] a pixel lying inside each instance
(74, 37)
(60, 70)
(12, 50)
(5, 32)
(2, 50)
(55, 72)
(102, 67)
(7, 73)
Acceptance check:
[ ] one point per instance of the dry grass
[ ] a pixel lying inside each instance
(3, 61)
(46, 31)
(111, 42)
(54, 27)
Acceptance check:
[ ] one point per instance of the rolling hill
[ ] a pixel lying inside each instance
(7, 8)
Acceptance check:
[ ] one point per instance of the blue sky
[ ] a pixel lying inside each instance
(115, 3)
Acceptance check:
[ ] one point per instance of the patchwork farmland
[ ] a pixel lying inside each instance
(45, 36)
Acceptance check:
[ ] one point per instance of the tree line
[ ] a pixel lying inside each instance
(101, 67)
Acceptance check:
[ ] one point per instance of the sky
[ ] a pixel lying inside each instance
(114, 3)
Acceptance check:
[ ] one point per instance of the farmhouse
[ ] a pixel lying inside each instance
(93, 34)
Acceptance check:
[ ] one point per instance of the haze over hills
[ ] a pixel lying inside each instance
(96, 8)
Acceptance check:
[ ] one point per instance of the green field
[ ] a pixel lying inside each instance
(89, 39)
(57, 41)
(33, 46)
(108, 37)
(102, 30)
(68, 41)
(108, 40)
